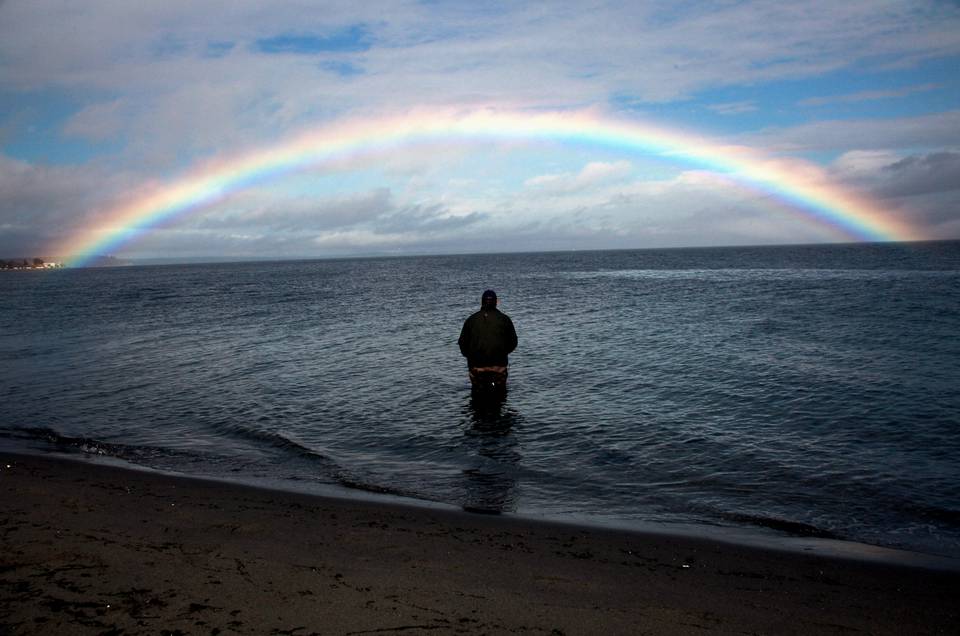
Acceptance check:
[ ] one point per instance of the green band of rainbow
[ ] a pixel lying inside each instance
(798, 184)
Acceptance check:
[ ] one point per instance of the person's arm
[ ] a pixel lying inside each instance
(511, 336)
(464, 340)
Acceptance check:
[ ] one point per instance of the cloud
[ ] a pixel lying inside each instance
(350, 39)
(864, 96)
(888, 174)
(151, 88)
(444, 52)
(922, 189)
(592, 174)
(923, 174)
(263, 211)
(98, 122)
(860, 164)
(694, 208)
(41, 204)
(186, 81)
(219, 48)
(425, 219)
(925, 131)
(906, 164)
(734, 108)
(255, 222)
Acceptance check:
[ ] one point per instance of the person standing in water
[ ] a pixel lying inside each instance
(486, 339)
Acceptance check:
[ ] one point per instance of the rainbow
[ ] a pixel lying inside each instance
(798, 184)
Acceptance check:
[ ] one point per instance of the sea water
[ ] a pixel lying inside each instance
(814, 390)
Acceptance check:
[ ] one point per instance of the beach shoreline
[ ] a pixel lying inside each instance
(92, 548)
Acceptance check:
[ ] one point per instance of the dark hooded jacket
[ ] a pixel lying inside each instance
(487, 337)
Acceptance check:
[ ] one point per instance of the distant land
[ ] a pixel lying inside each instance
(30, 263)
(52, 262)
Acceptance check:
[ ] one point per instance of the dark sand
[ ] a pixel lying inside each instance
(89, 549)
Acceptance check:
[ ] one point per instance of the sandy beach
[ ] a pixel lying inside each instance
(93, 549)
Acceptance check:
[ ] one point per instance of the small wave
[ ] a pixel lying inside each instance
(796, 528)
(330, 468)
(147, 455)
(931, 513)
(273, 439)
(753, 274)
(343, 478)
(87, 445)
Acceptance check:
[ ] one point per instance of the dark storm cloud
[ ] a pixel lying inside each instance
(922, 189)
(39, 204)
(17, 242)
(922, 174)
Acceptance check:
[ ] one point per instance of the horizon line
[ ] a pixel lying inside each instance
(204, 259)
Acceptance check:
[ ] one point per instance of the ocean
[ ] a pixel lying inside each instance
(788, 391)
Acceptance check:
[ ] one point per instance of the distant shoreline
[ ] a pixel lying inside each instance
(112, 261)
(57, 262)
(33, 262)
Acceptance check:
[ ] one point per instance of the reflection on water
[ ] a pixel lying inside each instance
(487, 411)
(490, 483)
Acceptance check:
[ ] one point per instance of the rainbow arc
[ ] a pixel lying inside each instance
(797, 184)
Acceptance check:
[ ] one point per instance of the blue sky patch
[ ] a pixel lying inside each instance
(219, 49)
(168, 45)
(846, 94)
(352, 39)
(343, 69)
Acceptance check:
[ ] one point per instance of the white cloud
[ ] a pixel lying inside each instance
(177, 101)
(863, 96)
(97, 122)
(692, 208)
(301, 215)
(592, 174)
(856, 164)
(925, 131)
(734, 108)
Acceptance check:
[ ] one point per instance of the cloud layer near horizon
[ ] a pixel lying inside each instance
(104, 99)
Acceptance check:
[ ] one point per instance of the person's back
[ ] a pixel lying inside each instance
(486, 340)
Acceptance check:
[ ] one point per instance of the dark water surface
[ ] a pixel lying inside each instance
(812, 390)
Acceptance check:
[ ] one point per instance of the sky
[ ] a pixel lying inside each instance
(103, 102)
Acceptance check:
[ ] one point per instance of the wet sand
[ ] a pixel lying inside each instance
(92, 549)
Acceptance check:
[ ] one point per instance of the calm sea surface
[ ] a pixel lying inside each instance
(813, 390)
